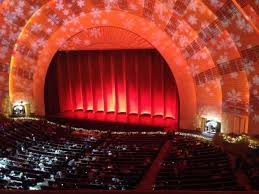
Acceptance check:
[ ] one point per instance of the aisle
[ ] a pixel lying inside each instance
(149, 178)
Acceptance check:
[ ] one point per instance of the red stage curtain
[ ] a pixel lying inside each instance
(117, 82)
(158, 85)
(132, 84)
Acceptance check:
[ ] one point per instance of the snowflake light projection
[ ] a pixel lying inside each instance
(220, 37)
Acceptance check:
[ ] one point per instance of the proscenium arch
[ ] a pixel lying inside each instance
(243, 85)
(161, 41)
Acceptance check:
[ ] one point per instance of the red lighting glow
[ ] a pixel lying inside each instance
(128, 86)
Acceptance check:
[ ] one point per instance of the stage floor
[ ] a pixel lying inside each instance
(122, 118)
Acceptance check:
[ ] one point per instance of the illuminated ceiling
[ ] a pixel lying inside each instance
(214, 42)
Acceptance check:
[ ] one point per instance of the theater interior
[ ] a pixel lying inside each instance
(129, 96)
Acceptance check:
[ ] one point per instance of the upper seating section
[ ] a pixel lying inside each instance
(37, 159)
(35, 155)
(119, 162)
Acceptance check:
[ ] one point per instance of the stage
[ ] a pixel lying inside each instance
(133, 87)
(116, 121)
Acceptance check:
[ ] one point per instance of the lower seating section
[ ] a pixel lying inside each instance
(30, 158)
(195, 165)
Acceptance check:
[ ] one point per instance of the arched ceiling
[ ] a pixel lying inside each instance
(218, 39)
(105, 37)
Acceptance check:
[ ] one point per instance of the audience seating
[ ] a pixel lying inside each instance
(251, 168)
(34, 156)
(38, 160)
(119, 162)
(193, 164)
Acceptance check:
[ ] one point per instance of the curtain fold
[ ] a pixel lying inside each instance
(132, 87)
(89, 83)
(129, 82)
(157, 86)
